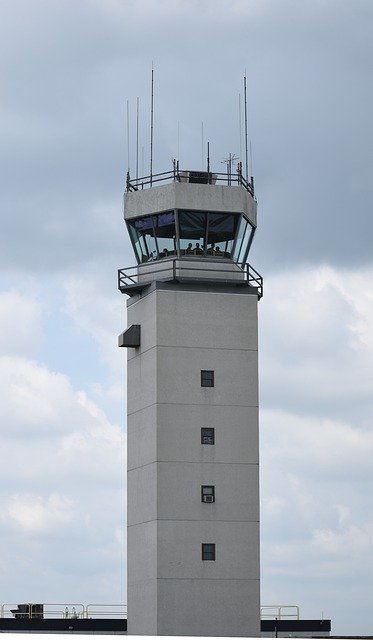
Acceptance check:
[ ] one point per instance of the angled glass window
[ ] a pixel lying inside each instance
(192, 232)
(164, 225)
(244, 238)
(221, 233)
(153, 237)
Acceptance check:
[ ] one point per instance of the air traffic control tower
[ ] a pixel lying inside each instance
(193, 487)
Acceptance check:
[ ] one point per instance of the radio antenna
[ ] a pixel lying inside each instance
(240, 124)
(151, 127)
(137, 138)
(178, 140)
(128, 136)
(246, 150)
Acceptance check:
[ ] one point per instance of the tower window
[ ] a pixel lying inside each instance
(207, 493)
(208, 551)
(207, 435)
(207, 378)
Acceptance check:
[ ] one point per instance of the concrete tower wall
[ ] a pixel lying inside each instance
(171, 590)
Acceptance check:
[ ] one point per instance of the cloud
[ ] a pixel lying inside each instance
(20, 323)
(317, 348)
(34, 515)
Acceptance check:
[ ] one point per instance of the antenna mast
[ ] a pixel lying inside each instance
(137, 138)
(246, 150)
(128, 136)
(151, 128)
(240, 124)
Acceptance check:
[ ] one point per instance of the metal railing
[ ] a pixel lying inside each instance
(182, 269)
(64, 610)
(279, 612)
(195, 177)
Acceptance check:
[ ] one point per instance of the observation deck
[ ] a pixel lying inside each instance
(190, 227)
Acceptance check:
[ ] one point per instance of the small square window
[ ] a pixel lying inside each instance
(207, 378)
(208, 551)
(207, 493)
(207, 435)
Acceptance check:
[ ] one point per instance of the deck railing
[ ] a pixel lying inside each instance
(184, 269)
(66, 610)
(279, 612)
(196, 177)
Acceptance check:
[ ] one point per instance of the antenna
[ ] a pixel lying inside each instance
(178, 140)
(151, 128)
(240, 124)
(137, 138)
(202, 146)
(229, 161)
(208, 159)
(251, 160)
(128, 136)
(246, 159)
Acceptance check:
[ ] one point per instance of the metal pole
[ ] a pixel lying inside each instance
(128, 136)
(246, 150)
(137, 139)
(151, 128)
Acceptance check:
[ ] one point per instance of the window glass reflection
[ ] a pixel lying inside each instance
(246, 242)
(201, 233)
(221, 234)
(164, 224)
(192, 233)
(240, 236)
(153, 237)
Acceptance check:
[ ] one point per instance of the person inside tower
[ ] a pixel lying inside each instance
(189, 248)
(210, 250)
(198, 251)
(217, 252)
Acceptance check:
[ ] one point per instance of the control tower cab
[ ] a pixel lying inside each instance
(192, 406)
(195, 228)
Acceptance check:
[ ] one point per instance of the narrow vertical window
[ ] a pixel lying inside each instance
(207, 435)
(208, 551)
(207, 378)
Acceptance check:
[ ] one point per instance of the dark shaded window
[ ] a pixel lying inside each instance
(208, 551)
(221, 234)
(192, 232)
(243, 241)
(207, 435)
(207, 378)
(207, 493)
(153, 237)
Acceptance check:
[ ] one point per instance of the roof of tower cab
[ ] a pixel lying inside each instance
(192, 191)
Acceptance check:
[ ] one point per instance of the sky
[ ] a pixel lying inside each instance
(68, 68)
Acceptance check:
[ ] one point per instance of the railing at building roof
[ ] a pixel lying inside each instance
(66, 610)
(189, 270)
(195, 177)
(279, 612)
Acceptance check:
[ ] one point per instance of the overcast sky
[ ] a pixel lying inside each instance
(68, 68)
